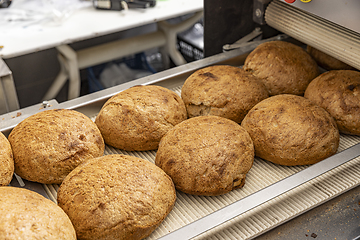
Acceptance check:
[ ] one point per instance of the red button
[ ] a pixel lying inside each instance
(290, 1)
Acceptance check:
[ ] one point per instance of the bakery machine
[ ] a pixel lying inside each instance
(273, 195)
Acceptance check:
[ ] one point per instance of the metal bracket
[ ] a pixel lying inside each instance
(248, 46)
(239, 43)
(259, 7)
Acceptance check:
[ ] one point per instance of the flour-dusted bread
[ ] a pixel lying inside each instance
(116, 197)
(326, 61)
(221, 90)
(137, 118)
(50, 144)
(284, 68)
(6, 161)
(291, 130)
(338, 92)
(28, 215)
(206, 155)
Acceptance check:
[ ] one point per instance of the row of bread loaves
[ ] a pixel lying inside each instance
(207, 155)
(206, 139)
(285, 129)
(109, 197)
(296, 124)
(45, 148)
(272, 68)
(54, 142)
(103, 197)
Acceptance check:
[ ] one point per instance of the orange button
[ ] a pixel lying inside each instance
(289, 1)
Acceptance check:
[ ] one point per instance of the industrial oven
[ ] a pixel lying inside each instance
(273, 194)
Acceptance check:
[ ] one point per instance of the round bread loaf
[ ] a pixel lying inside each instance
(338, 92)
(224, 91)
(137, 118)
(116, 197)
(28, 215)
(206, 155)
(291, 130)
(326, 61)
(6, 161)
(50, 144)
(283, 67)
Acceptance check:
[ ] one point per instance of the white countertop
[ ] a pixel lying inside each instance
(86, 23)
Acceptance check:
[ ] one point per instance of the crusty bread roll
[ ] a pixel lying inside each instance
(291, 130)
(6, 161)
(326, 61)
(116, 197)
(284, 67)
(28, 215)
(206, 155)
(338, 92)
(50, 144)
(137, 118)
(221, 90)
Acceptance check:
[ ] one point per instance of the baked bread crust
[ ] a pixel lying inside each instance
(223, 91)
(116, 197)
(338, 92)
(291, 130)
(206, 155)
(326, 61)
(6, 161)
(285, 68)
(137, 118)
(28, 215)
(50, 144)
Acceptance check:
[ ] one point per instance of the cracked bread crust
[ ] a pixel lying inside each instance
(137, 118)
(6, 161)
(50, 144)
(28, 215)
(291, 130)
(116, 197)
(284, 68)
(223, 91)
(206, 155)
(338, 92)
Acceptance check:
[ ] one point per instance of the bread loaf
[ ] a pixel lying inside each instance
(291, 130)
(223, 91)
(338, 92)
(50, 144)
(28, 215)
(137, 118)
(116, 197)
(6, 161)
(284, 68)
(206, 155)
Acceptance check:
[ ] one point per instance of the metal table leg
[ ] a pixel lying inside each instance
(8, 97)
